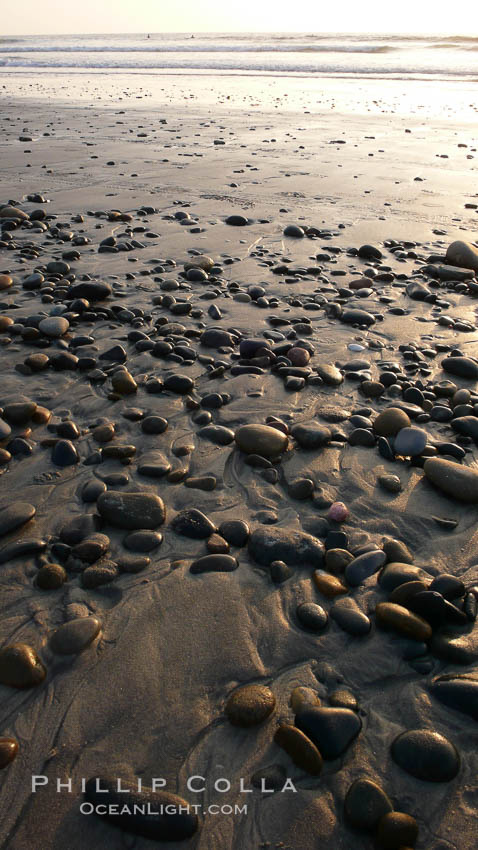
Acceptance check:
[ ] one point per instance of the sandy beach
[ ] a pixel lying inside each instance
(183, 257)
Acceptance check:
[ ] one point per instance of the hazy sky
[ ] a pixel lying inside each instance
(117, 16)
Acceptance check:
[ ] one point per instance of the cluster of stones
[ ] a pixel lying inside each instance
(318, 732)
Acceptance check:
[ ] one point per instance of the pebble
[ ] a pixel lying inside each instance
(410, 442)
(54, 326)
(215, 563)
(270, 544)
(20, 666)
(463, 367)
(312, 616)
(235, 531)
(311, 435)
(192, 523)
(457, 692)
(51, 577)
(390, 421)
(462, 254)
(8, 751)
(131, 510)
(349, 617)
(260, 439)
(364, 566)
(397, 831)
(300, 748)
(332, 730)
(391, 615)
(365, 804)
(453, 479)
(160, 816)
(426, 755)
(15, 514)
(142, 541)
(250, 705)
(73, 637)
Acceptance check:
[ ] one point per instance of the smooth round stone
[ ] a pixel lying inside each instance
(364, 566)
(207, 483)
(19, 412)
(462, 254)
(5, 430)
(237, 220)
(99, 574)
(133, 564)
(123, 382)
(268, 544)
(214, 563)
(426, 755)
(349, 617)
(15, 514)
(8, 751)
(54, 326)
(51, 577)
(298, 356)
(362, 437)
(395, 574)
(157, 815)
(217, 338)
(250, 705)
(453, 649)
(65, 453)
(131, 510)
(75, 636)
(300, 748)
(390, 421)
(330, 374)
(142, 541)
(92, 491)
(261, 440)
(397, 831)
(180, 384)
(23, 547)
(463, 367)
(5, 282)
(312, 616)
(448, 585)
(466, 425)
(20, 666)
(403, 594)
(329, 585)
(390, 483)
(302, 697)
(457, 692)
(280, 572)
(336, 560)
(217, 434)
(194, 524)
(154, 425)
(90, 290)
(294, 230)
(391, 615)
(453, 479)
(436, 610)
(332, 730)
(235, 531)
(396, 550)
(311, 435)
(410, 442)
(353, 316)
(365, 803)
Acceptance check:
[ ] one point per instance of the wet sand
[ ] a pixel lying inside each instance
(146, 695)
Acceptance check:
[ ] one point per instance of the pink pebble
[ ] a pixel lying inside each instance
(298, 356)
(338, 512)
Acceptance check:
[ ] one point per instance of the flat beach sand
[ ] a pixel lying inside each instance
(125, 371)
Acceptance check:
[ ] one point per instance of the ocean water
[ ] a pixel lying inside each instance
(437, 57)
